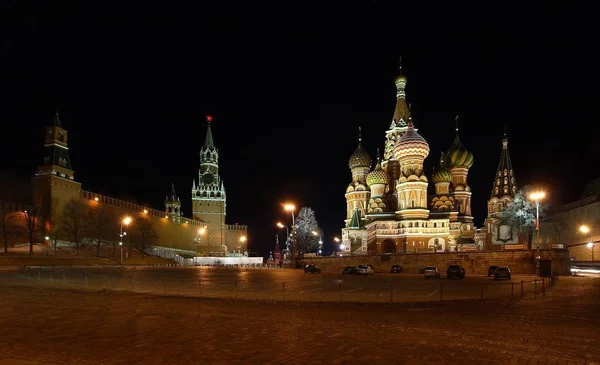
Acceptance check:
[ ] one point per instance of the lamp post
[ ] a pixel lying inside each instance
(125, 222)
(337, 240)
(320, 235)
(291, 208)
(536, 196)
(243, 239)
(198, 239)
(591, 245)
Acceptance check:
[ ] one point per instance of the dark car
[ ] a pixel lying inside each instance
(492, 270)
(350, 270)
(502, 273)
(396, 269)
(312, 269)
(455, 271)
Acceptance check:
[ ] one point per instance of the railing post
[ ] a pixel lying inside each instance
(535, 288)
(200, 288)
(482, 286)
(521, 288)
(283, 288)
(39, 273)
(543, 286)
(441, 291)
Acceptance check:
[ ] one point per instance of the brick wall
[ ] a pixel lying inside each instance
(475, 263)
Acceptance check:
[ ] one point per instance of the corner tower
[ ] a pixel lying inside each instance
(173, 206)
(54, 182)
(208, 196)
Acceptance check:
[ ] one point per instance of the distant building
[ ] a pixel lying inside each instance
(207, 234)
(388, 209)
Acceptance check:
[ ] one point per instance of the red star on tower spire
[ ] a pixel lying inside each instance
(209, 118)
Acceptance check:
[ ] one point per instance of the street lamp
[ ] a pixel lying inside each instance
(198, 238)
(239, 246)
(125, 222)
(337, 240)
(320, 235)
(287, 237)
(536, 196)
(291, 208)
(591, 245)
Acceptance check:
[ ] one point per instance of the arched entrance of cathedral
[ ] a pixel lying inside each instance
(372, 248)
(389, 246)
(437, 244)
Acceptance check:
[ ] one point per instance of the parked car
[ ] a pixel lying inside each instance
(502, 272)
(365, 269)
(350, 270)
(396, 269)
(455, 271)
(492, 270)
(431, 272)
(312, 269)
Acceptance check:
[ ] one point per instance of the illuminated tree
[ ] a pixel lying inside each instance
(146, 235)
(521, 212)
(100, 223)
(306, 223)
(8, 222)
(33, 224)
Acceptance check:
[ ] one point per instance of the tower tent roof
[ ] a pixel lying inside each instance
(504, 181)
(172, 195)
(355, 222)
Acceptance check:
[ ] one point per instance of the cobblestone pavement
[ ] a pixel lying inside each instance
(54, 326)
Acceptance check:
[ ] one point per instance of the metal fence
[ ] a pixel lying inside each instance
(305, 290)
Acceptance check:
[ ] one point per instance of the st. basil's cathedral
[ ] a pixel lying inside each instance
(388, 208)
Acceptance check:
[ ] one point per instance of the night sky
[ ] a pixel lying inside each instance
(288, 84)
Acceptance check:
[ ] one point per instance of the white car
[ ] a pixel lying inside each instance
(431, 272)
(365, 269)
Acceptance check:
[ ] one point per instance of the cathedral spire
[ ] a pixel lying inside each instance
(56, 155)
(401, 111)
(504, 182)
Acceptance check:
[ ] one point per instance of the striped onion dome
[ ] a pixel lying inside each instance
(457, 155)
(378, 175)
(441, 174)
(411, 144)
(360, 157)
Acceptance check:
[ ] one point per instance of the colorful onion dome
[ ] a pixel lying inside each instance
(378, 175)
(411, 144)
(440, 175)
(360, 157)
(457, 155)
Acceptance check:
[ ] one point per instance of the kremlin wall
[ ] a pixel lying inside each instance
(71, 214)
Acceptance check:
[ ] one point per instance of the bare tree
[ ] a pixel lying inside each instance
(146, 234)
(73, 221)
(8, 222)
(33, 224)
(99, 221)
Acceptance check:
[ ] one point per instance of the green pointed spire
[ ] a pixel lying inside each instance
(355, 222)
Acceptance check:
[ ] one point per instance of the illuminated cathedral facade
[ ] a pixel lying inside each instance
(388, 208)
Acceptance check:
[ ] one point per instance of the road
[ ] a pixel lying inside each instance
(61, 327)
(288, 285)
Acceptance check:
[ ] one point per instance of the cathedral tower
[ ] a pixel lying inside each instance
(398, 127)
(357, 193)
(54, 183)
(410, 151)
(458, 160)
(173, 206)
(208, 197)
(505, 185)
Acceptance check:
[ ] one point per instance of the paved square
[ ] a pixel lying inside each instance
(54, 326)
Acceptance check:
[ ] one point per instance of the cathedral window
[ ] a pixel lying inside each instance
(434, 225)
(410, 225)
(60, 137)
